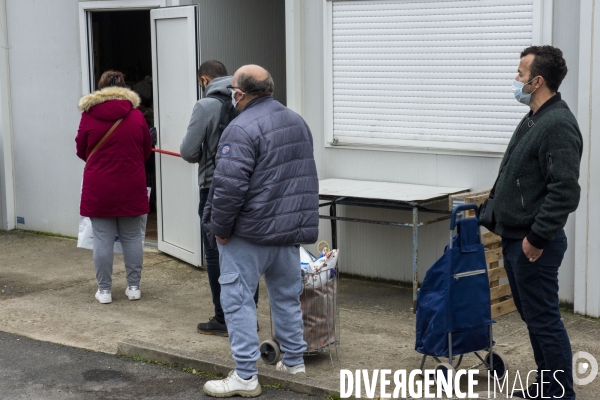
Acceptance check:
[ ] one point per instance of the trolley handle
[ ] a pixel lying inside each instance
(462, 207)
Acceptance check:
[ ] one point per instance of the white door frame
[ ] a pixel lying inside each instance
(294, 54)
(85, 8)
(587, 231)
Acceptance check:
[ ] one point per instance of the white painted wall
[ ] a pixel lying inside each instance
(229, 30)
(385, 252)
(45, 78)
(565, 36)
(45, 66)
(376, 251)
(7, 203)
(46, 85)
(2, 175)
(587, 229)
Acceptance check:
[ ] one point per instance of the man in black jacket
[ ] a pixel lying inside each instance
(536, 190)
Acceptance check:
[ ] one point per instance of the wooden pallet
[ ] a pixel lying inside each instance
(501, 296)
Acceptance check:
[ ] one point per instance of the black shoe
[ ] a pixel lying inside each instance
(213, 327)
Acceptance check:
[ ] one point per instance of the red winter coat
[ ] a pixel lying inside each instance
(114, 179)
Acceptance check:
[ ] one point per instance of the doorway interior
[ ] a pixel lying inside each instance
(121, 40)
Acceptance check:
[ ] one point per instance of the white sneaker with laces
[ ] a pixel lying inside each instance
(233, 385)
(104, 296)
(290, 370)
(133, 292)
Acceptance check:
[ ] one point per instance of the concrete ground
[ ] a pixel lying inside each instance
(47, 288)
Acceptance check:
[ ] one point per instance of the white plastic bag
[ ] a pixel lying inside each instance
(85, 237)
(319, 271)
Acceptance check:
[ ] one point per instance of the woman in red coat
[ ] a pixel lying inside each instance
(114, 193)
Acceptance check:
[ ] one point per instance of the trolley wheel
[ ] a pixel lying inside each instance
(323, 244)
(269, 352)
(444, 367)
(500, 366)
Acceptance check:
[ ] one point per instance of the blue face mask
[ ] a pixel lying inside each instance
(517, 88)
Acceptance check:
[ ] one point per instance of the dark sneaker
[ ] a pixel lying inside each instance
(213, 327)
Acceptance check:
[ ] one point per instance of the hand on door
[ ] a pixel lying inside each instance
(222, 240)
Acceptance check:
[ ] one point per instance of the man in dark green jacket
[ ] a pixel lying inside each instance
(536, 190)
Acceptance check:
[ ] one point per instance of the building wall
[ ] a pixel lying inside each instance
(45, 79)
(587, 228)
(385, 252)
(565, 36)
(2, 169)
(228, 32)
(46, 85)
(7, 214)
(3, 216)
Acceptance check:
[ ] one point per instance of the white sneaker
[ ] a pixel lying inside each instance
(133, 292)
(233, 385)
(104, 296)
(290, 370)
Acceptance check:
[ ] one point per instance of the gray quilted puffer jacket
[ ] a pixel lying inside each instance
(265, 187)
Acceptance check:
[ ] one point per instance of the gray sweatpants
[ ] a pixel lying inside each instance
(242, 264)
(130, 235)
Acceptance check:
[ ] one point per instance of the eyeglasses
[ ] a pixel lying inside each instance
(233, 87)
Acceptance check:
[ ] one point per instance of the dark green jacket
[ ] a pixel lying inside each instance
(538, 185)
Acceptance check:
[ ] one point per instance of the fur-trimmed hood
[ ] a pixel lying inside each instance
(106, 94)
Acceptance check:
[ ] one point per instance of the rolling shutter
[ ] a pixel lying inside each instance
(427, 73)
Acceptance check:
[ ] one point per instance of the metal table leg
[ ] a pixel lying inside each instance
(333, 213)
(415, 227)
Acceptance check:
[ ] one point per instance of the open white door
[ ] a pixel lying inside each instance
(174, 65)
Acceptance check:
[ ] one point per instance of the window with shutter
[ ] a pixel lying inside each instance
(425, 73)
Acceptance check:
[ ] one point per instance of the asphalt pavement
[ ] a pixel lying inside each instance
(31, 369)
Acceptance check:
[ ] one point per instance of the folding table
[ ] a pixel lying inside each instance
(387, 195)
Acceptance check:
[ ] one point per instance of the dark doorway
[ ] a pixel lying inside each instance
(121, 41)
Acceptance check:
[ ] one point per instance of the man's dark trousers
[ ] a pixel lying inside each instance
(534, 287)
(212, 265)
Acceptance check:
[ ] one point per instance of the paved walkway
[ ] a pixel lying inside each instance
(47, 288)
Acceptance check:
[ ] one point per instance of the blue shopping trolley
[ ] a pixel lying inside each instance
(453, 303)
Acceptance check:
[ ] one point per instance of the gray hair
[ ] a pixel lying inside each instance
(254, 87)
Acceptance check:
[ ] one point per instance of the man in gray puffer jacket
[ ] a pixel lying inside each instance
(262, 204)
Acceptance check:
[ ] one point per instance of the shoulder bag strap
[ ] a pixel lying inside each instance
(103, 139)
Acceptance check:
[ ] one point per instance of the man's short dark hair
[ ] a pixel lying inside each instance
(212, 69)
(253, 86)
(549, 63)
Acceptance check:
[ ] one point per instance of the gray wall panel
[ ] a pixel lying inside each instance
(565, 35)
(45, 75)
(238, 32)
(2, 171)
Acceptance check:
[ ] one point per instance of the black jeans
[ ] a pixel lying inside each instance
(534, 287)
(212, 265)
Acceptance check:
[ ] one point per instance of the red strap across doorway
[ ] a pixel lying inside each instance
(166, 152)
